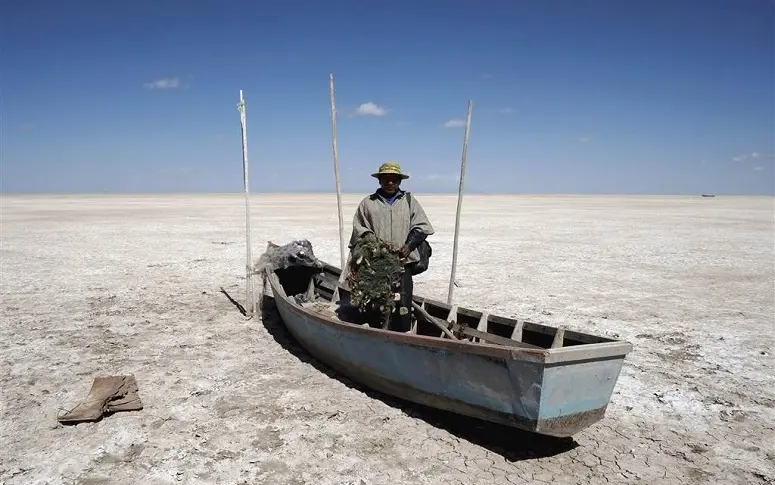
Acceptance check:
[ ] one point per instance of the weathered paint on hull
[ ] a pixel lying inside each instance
(521, 392)
(576, 394)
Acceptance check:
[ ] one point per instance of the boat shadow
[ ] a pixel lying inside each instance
(511, 443)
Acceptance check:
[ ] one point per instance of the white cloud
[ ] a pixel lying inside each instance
(370, 109)
(758, 168)
(746, 156)
(584, 139)
(454, 123)
(164, 83)
(506, 111)
(487, 76)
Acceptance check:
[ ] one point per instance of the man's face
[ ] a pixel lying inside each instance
(389, 183)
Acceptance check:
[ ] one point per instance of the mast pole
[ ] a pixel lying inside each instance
(250, 307)
(336, 170)
(459, 204)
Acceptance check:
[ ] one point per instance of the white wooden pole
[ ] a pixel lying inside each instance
(250, 306)
(336, 171)
(459, 203)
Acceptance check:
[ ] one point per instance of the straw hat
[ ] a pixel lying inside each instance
(390, 168)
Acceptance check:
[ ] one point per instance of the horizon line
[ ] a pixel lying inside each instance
(330, 192)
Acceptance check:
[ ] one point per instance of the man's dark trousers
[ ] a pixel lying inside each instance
(398, 322)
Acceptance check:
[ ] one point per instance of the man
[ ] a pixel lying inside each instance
(388, 215)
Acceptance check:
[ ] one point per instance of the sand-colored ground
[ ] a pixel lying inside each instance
(105, 285)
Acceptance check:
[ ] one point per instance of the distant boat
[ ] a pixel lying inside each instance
(543, 379)
(708, 195)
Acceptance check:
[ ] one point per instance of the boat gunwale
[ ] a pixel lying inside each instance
(558, 355)
(495, 318)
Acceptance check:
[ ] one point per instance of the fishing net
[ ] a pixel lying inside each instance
(374, 277)
(295, 261)
(295, 253)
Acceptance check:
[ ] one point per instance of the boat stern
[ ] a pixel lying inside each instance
(577, 386)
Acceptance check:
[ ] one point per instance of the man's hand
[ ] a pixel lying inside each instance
(404, 251)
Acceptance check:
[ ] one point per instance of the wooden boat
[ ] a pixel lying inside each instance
(530, 376)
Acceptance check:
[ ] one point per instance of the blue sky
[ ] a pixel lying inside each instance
(570, 96)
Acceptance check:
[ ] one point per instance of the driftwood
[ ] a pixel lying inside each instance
(436, 321)
(491, 338)
(470, 332)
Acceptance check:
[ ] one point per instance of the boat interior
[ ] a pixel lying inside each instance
(320, 290)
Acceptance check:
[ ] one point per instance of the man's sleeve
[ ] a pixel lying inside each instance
(419, 220)
(415, 238)
(419, 226)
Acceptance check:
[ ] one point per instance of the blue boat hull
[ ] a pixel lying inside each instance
(540, 390)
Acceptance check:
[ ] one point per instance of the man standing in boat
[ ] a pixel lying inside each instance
(397, 218)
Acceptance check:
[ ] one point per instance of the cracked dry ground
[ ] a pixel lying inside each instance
(112, 285)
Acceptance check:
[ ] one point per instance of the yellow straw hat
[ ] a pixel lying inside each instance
(390, 168)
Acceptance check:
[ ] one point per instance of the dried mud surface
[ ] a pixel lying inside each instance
(101, 285)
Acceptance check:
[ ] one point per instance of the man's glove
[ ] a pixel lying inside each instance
(404, 251)
(414, 239)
